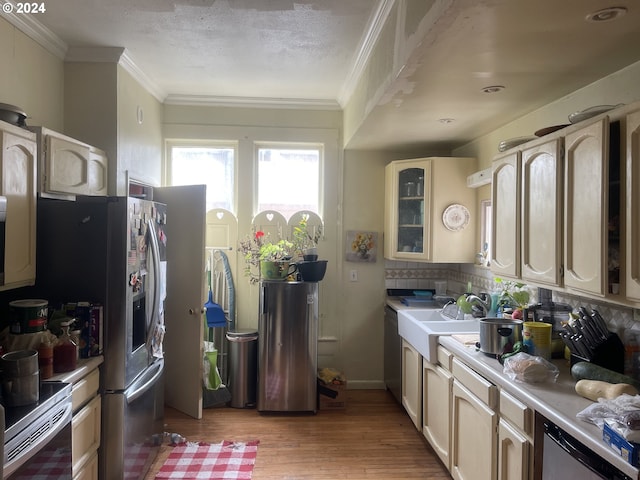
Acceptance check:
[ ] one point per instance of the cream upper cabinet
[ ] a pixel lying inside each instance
(542, 213)
(70, 167)
(429, 210)
(586, 208)
(568, 202)
(632, 281)
(18, 187)
(412, 383)
(505, 207)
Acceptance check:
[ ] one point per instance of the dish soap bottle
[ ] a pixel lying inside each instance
(65, 353)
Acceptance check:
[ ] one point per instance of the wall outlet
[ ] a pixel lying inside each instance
(353, 275)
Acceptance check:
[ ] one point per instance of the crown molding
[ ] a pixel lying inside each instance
(136, 72)
(31, 27)
(121, 56)
(364, 52)
(252, 102)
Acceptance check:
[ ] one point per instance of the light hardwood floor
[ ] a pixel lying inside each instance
(372, 438)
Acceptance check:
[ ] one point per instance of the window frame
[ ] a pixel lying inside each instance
(257, 145)
(199, 143)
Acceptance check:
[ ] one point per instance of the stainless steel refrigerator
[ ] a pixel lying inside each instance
(288, 346)
(112, 250)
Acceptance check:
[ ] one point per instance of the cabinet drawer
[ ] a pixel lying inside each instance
(85, 436)
(83, 390)
(89, 471)
(516, 412)
(444, 358)
(486, 391)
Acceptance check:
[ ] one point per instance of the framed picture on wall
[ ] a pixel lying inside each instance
(361, 246)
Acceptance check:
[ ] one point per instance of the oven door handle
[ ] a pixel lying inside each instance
(567, 445)
(63, 419)
(145, 382)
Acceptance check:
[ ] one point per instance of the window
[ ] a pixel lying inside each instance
(211, 165)
(289, 179)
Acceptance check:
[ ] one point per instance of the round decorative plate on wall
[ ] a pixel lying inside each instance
(456, 217)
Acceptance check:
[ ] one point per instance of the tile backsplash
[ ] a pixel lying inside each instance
(401, 274)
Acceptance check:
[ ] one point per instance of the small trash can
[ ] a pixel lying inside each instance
(243, 368)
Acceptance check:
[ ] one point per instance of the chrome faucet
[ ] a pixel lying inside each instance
(482, 300)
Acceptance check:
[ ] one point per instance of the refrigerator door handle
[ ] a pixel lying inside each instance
(155, 259)
(146, 381)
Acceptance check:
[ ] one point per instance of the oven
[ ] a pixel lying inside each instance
(563, 456)
(37, 437)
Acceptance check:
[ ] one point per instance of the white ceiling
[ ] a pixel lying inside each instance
(311, 52)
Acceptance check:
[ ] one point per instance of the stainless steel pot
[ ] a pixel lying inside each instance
(497, 333)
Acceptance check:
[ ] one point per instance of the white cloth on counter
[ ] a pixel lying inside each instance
(613, 412)
(25, 341)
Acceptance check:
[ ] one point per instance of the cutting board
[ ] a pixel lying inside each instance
(469, 339)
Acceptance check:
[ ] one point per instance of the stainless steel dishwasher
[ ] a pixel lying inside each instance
(392, 353)
(559, 455)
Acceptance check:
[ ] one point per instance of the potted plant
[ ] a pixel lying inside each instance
(305, 241)
(266, 259)
(513, 295)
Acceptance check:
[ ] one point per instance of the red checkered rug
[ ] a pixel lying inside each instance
(224, 460)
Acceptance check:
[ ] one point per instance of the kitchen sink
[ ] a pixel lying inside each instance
(422, 327)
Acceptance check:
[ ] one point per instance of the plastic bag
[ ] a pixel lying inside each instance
(526, 368)
(211, 375)
(619, 413)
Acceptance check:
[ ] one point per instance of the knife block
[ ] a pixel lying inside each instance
(609, 354)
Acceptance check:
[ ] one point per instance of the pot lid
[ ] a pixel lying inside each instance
(12, 108)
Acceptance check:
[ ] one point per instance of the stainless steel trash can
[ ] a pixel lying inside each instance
(243, 368)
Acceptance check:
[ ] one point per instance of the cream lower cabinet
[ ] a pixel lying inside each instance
(412, 383)
(85, 426)
(515, 439)
(437, 382)
(474, 426)
(18, 187)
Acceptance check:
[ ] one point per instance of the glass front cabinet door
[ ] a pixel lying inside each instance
(407, 212)
(417, 194)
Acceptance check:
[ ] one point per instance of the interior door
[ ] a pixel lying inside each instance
(183, 338)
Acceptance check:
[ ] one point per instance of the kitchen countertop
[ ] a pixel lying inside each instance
(85, 366)
(557, 401)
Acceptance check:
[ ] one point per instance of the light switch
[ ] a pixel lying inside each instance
(353, 275)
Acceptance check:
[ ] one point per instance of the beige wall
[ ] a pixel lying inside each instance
(101, 108)
(30, 78)
(362, 302)
(621, 87)
(139, 135)
(246, 126)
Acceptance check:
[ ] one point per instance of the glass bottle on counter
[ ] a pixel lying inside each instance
(45, 360)
(65, 352)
